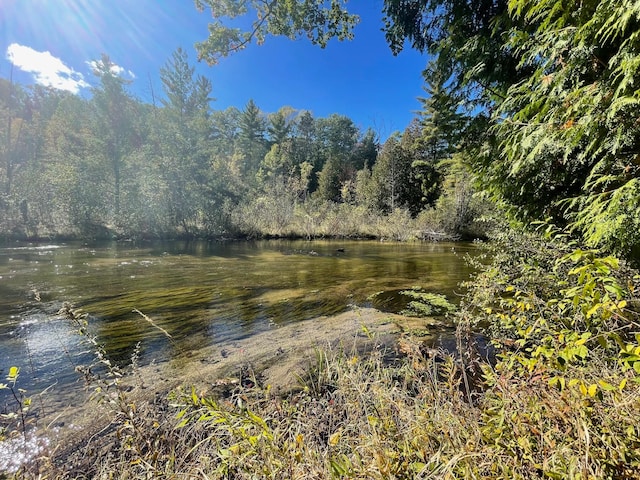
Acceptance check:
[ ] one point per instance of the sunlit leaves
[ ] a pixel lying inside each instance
(12, 376)
(318, 20)
(577, 112)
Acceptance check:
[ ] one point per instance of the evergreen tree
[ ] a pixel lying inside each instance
(365, 151)
(569, 135)
(251, 140)
(337, 140)
(280, 125)
(184, 137)
(114, 120)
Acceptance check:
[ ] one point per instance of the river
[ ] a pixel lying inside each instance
(196, 294)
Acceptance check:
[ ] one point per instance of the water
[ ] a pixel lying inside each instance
(198, 293)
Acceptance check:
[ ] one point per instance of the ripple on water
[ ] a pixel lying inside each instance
(19, 450)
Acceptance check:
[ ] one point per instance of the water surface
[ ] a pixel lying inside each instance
(198, 293)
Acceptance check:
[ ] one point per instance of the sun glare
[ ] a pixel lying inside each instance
(84, 29)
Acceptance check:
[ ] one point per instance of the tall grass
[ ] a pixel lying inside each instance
(286, 217)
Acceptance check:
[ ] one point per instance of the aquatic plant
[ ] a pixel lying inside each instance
(425, 304)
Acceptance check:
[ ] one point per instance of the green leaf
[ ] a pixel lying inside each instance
(606, 385)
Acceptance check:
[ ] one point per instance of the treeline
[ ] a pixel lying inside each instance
(113, 166)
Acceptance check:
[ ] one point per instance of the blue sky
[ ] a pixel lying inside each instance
(53, 41)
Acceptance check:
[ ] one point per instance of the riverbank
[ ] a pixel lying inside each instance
(561, 399)
(277, 359)
(261, 219)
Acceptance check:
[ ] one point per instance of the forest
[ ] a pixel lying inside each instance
(528, 137)
(113, 167)
(532, 104)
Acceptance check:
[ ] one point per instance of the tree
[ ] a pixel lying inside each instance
(32, 186)
(114, 117)
(225, 162)
(365, 151)
(329, 180)
(434, 135)
(548, 89)
(77, 172)
(280, 125)
(305, 142)
(318, 20)
(337, 138)
(573, 124)
(441, 122)
(187, 95)
(392, 181)
(184, 137)
(427, 155)
(12, 100)
(251, 139)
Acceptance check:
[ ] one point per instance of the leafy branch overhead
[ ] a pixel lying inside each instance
(319, 21)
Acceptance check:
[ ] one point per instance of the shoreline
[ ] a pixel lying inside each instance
(278, 357)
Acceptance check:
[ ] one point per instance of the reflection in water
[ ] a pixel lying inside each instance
(201, 293)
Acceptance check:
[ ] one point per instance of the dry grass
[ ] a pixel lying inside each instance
(380, 415)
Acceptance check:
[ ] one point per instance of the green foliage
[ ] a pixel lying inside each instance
(114, 120)
(113, 167)
(539, 95)
(566, 341)
(181, 174)
(393, 182)
(570, 122)
(186, 95)
(319, 21)
(329, 180)
(425, 304)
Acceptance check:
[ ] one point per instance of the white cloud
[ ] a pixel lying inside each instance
(47, 70)
(115, 69)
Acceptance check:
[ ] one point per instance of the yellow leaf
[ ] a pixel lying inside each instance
(606, 385)
(334, 439)
(13, 374)
(622, 304)
(593, 310)
(623, 384)
(583, 389)
(561, 380)
(593, 389)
